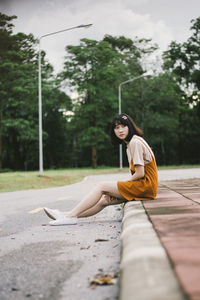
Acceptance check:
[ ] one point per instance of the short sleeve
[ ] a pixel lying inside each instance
(137, 153)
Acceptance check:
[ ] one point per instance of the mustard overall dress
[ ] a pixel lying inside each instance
(142, 189)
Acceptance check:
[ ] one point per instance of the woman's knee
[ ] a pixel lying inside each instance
(104, 201)
(109, 188)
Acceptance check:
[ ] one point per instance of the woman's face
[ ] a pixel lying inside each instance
(121, 131)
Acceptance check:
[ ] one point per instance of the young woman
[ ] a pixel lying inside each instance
(142, 184)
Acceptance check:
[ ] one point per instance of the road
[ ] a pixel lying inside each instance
(39, 261)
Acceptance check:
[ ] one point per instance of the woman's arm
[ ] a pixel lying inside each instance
(139, 172)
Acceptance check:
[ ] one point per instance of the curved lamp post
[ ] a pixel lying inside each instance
(40, 91)
(119, 99)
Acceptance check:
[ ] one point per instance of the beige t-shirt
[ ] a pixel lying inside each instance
(139, 151)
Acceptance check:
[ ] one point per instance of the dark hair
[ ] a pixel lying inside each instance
(125, 120)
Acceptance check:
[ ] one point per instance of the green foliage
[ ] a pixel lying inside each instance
(96, 69)
(161, 121)
(183, 60)
(165, 106)
(19, 103)
(154, 104)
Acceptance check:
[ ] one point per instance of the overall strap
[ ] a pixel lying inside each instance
(147, 146)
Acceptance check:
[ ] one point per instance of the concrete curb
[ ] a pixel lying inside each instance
(145, 271)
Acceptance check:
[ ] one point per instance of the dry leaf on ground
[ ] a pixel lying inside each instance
(102, 279)
(101, 240)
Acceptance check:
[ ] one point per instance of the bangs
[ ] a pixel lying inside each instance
(120, 120)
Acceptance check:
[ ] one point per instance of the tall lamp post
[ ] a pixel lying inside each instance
(40, 91)
(120, 111)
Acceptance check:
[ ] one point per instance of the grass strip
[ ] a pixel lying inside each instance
(16, 181)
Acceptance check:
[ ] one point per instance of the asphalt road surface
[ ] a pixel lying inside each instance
(38, 261)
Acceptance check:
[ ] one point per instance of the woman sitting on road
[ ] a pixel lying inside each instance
(142, 184)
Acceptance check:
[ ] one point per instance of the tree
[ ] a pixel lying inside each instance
(154, 102)
(161, 121)
(95, 69)
(57, 139)
(19, 103)
(183, 60)
(5, 49)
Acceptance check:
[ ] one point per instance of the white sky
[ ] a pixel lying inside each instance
(161, 20)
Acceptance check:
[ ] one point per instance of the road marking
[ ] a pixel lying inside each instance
(64, 198)
(34, 211)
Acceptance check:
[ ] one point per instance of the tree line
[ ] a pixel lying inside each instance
(76, 130)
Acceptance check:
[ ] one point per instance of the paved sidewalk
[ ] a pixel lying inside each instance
(148, 272)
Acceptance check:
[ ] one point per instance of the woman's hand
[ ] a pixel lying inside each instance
(139, 172)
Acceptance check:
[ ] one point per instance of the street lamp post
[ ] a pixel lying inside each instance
(40, 91)
(120, 111)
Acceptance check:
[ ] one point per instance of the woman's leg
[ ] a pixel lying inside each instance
(92, 199)
(105, 201)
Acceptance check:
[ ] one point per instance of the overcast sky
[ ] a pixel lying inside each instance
(161, 20)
